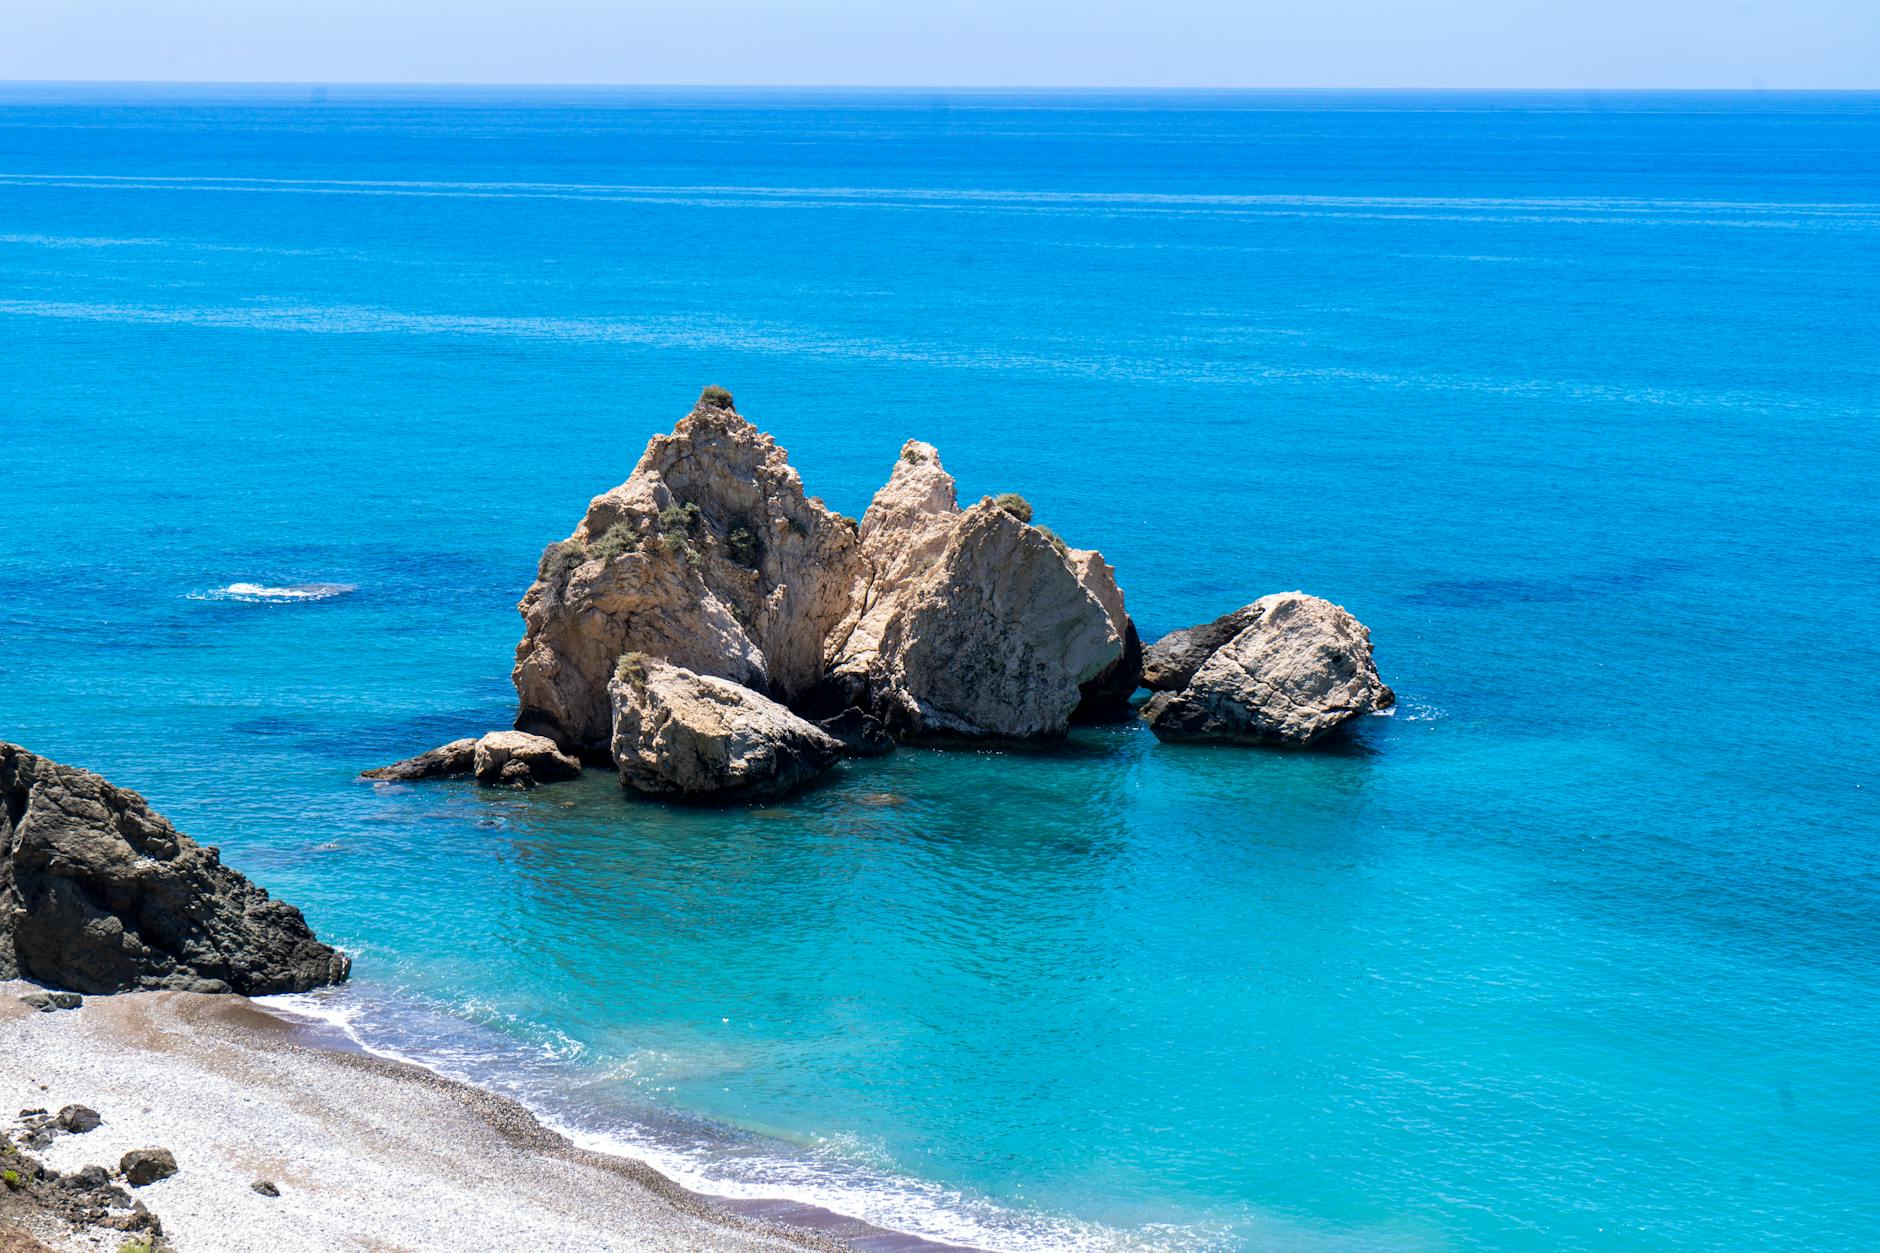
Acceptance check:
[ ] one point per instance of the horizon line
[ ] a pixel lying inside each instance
(903, 87)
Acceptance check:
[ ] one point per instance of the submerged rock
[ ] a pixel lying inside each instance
(498, 759)
(681, 734)
(1299, 669)
(709, 556)
(995, 638)
(1170, 663)
(100, 894)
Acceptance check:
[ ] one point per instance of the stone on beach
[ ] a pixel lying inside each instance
(1298, 670)
(681, 734)
(709, 556)
(141, 1167)
(100, 894)
(78, 1119)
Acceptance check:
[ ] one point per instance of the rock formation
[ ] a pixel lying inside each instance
(1170, 662)
(709, 556)
(681, 734)
(99, 894)
(995, 638)
(499, 759)
(1299, 669)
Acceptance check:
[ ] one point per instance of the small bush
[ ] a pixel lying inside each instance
(562, 555)
(798, 528)
(138, 1244)
(11, 1178)
(742, 546)
(715, 397)
(912, 456)
(618, 538)
(684, 517)
(1015, 505)
(631, 668)
(1063, 549)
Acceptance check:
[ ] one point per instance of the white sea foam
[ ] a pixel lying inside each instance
(262, 594)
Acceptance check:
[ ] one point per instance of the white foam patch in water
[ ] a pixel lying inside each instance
(262, 594)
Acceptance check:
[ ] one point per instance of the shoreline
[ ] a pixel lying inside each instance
(365, 1149)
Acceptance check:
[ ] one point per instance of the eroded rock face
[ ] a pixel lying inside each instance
(677, 733)
(996, 637)
(100, 894)
(1170, 662)
(903, 534)
(709, 556)
(1107, 695)
(1298, 670)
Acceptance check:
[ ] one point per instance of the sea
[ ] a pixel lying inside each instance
(1571, 397)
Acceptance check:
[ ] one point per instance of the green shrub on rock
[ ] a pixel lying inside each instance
(1015, 505)
(715, 397)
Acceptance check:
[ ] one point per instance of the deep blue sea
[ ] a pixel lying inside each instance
(1571, 398)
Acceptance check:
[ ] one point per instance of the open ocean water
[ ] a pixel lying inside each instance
(1571, 398)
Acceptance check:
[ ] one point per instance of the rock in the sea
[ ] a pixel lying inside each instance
(903, 533)
(681, 734)
(499, 759)
(100, 894)
(709, 556)
(455, 760)
(860, 734)
(145, 1166)
(518, 759)
(1299, 669)
(1170, 662)
(78, 1119)
(995, 638)
(1107, 695)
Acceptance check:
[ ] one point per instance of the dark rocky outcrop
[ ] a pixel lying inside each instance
(100, 894)
(1300, 669)
(1170, 663)
(455, 760)
(860, 734)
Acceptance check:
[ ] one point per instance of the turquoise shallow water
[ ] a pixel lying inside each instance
(1571, 399)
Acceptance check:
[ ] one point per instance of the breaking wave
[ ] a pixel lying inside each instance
(262, 594)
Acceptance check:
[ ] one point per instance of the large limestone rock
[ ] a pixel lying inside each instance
(677, 733)
(709, 556)
(1298, 670)
(995, 638)
(1170, 663)
(903, 534)
(1107, 695)
(99, 894)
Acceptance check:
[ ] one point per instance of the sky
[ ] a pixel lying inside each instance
(968, 43)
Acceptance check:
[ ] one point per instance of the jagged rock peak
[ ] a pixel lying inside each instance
(709, 556)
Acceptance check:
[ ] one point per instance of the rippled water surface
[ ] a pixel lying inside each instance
(1571, 399)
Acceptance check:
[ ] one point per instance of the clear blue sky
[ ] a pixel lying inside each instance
(1170, 43)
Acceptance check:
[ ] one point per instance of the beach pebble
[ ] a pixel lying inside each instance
(265, 1187)
(78, 1119)
(142, 1166)
(86, 1179)
(46, 1002)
